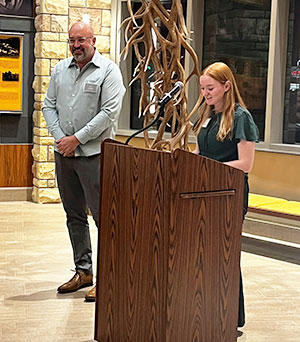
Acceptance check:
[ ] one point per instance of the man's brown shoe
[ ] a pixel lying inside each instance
(79, 280)
(91, 295)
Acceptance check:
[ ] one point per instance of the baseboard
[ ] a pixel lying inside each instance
(271, 248)
(277, 228)
(15, 194)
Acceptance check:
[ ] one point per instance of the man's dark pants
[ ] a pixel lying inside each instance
(78, 183)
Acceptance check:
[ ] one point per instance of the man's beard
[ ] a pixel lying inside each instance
(79, 57)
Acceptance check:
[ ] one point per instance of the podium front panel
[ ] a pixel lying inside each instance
(131, 285)
(204, 250)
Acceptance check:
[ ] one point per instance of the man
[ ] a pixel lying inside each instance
(81, 108)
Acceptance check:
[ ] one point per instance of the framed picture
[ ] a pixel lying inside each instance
(11, 71)
(17, 7)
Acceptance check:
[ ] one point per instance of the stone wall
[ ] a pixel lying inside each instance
(52, 22)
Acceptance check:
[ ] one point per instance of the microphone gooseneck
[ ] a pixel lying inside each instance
(164, 100)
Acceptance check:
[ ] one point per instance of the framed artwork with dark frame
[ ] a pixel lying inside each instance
(11, 71)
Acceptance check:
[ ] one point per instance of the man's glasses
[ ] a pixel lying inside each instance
(82, 40)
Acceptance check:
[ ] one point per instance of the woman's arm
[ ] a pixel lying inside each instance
(246, 150)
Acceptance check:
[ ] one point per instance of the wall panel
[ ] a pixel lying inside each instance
(16, 163)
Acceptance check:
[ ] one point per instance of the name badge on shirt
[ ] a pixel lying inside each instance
(205, 123)
(90, 87)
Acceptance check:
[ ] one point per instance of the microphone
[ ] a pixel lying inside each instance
(168, 96)
(165, 99)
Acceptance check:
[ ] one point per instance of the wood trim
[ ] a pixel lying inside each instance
(274, 213)
(16, 165)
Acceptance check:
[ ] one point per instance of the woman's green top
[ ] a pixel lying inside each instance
(244, 128)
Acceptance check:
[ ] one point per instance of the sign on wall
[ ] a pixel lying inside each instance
(10, 73)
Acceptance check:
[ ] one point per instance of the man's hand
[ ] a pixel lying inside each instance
(67, 145)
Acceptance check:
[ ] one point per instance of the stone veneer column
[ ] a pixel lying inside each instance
(54, 17)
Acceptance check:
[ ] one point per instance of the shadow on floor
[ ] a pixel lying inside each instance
(47, 295)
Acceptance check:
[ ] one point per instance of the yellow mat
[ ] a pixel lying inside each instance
(274, 204)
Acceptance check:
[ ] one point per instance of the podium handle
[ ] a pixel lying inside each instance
(204, 194)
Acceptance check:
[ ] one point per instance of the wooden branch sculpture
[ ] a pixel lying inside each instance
(164, 53)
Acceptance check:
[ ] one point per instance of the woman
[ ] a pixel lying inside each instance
(226, 131)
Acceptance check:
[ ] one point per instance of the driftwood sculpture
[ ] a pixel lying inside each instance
(164, 54)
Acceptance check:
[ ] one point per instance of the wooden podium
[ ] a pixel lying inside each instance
(169, 247)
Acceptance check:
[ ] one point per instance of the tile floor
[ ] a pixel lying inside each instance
(35, 258)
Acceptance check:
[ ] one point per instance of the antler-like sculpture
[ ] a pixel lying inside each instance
(164, 53)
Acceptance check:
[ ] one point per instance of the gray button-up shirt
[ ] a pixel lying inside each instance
(86, 102)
